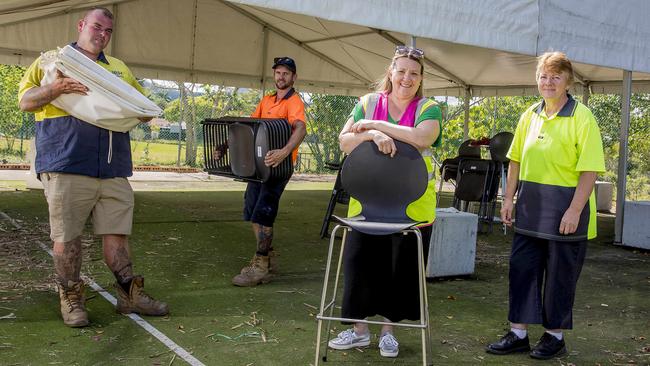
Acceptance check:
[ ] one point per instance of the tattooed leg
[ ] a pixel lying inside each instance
(264, 236)
(118, 259)
(67, 260)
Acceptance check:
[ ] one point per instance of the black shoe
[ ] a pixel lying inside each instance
(548, 347)
(509, 343)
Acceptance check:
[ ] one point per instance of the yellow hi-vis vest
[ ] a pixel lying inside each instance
(424, 208)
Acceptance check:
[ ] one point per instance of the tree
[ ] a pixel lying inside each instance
(192, 108)
(11, 118)
(326, 114)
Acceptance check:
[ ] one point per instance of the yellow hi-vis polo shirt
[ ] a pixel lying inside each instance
(552, 152)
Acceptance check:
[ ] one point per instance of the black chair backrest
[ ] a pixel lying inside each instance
(241, 141)
(465, 150)
(473, 176)
(383, 185)
(499, 146)
(451, 164)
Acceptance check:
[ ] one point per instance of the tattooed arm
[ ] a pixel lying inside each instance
(38, 96)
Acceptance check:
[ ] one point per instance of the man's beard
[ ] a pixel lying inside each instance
(287, 85)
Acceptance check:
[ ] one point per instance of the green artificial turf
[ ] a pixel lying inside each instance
(189, 245)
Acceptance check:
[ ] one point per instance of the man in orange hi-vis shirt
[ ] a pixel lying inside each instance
(261, 200)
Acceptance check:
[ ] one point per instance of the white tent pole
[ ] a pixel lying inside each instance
(468, 95)
(622, 157)
(495, 115)
(193, 50)
(412, 41)
(181, 88)
(265, 50)
(112, 46)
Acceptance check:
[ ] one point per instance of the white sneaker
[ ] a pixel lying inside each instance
(388, 346)
(348, 339)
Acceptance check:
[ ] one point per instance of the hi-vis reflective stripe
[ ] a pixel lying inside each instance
(427, 154)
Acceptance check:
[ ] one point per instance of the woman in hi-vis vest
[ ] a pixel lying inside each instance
(380, 278)
(555, 157)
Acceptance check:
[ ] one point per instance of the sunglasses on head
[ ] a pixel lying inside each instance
(281, 59)
(409, 52)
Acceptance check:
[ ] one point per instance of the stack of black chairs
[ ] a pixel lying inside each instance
(235, 147)
(478, 180)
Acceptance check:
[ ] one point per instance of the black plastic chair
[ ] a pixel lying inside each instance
(477, 181)
(449, 167)
(499, 146)
(339, 195)
(385, 186)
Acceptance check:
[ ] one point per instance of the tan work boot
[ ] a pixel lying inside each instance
(73, 308)
(273, 262)
(255, 273)
(137, 301)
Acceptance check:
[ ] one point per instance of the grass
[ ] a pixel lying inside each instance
(144, 153)
(190, 244)
(156, 153)
(12, 185)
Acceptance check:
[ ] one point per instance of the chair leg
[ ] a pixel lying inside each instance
(424, 304)
(324, 293)
(442, 179)
(328, 213)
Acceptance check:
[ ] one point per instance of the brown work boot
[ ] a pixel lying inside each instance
(255, 273)
(137, 301)
(73, 308)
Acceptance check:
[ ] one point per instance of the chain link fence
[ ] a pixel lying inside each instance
(176, 138)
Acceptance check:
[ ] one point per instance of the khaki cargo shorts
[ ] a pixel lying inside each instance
(71, 198)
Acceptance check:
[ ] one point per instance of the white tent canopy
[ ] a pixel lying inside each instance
(472, 47)
(341, 46)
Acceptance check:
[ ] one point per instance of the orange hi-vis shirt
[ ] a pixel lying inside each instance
(290, 108)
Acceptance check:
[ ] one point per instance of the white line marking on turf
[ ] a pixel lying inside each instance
(180, 351)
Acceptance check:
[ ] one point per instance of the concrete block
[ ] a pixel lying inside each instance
(636, 231)
(452, 249)
(604, 193)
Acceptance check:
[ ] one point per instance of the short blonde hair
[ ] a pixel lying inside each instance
(556, 62)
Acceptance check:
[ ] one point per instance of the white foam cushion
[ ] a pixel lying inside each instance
(110, 103)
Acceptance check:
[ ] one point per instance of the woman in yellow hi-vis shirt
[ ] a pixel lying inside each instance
(555, 157)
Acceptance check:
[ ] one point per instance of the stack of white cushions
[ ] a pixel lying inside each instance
(110, 102)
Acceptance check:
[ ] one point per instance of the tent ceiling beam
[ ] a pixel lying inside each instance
(254, 79)
(427, 61)
(299, 43)
(73, 5)
(342, 36)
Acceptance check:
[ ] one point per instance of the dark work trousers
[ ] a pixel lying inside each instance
(543, 278)
(262, 201)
